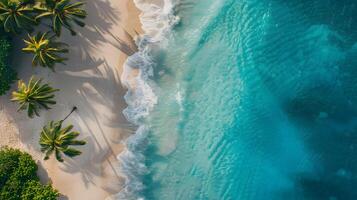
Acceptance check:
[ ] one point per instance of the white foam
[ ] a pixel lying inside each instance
(157, 23)
(180, 96)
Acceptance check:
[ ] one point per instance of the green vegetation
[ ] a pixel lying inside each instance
(18, 179)
(34, 96)
(34, 190)
(45, 50)
(62, 13)
(16, 16)
(7, 74)
(57, 140)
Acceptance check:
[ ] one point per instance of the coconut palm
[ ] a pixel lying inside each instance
(28, 2)
(57, 140)
(16, 16)
(34, 96)
(62, 13)
(45, 49)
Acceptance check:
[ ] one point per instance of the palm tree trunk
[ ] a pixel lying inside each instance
(73, 109)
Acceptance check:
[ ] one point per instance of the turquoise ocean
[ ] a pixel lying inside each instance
(244, 100)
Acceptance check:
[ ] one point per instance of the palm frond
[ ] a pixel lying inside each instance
(45, 50)
(55, 139)
(62, 13)
(34, 96)
(16, 16)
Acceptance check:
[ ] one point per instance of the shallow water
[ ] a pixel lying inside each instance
(256, 99)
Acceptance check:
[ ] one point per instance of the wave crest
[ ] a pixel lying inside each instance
(157, 22)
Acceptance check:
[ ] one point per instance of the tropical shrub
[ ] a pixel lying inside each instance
(34, 96)
(7, 74)
(18, 178)
(34, 190)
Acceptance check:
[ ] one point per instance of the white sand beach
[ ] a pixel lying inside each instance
(90, 81)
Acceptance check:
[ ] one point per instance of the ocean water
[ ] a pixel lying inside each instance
(243, 100)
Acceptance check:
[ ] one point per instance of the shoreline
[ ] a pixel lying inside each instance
(90, 81)
(158, 19)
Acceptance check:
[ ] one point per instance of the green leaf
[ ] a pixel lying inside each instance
(46, 51)
(71, 152)
(55, 139)
(34, 96)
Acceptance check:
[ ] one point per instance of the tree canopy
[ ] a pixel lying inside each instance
(18, 178)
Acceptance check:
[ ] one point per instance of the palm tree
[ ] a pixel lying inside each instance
(45, 50)
(55, 139)
(34, 96)
(15, 16)
(62, 13)
(28, 2)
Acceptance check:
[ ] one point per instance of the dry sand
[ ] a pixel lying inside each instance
(90, 81)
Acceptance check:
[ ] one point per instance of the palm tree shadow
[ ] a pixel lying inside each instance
(88, 165)
(99, 98)
(102, 16)
(98, 86)
(88, 81)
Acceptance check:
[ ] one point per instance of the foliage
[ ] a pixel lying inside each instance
(62, 13)
(14, 162)
(34, 96)
(7, 74)
(56, 140)
(16, 16)
(19, 15)
(28, 2)
(45, 50)
(18, 178)
(34, 190)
